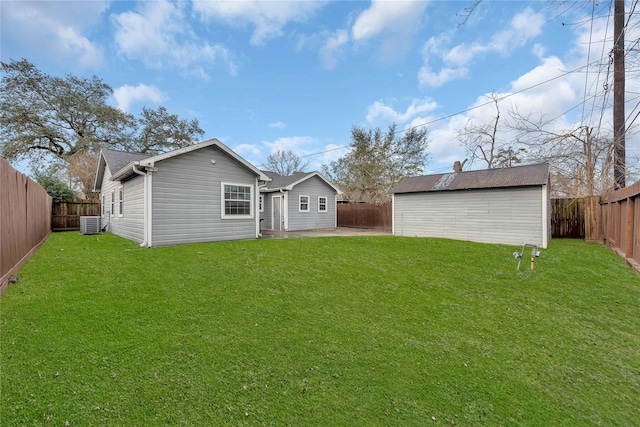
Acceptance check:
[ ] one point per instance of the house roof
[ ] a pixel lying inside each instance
(121, 163)
(518, 176)
(287, 182)
(115, 161)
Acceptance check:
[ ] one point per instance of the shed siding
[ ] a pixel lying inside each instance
(506, 216)
(312, 187)
(186, 199)
(131, 224)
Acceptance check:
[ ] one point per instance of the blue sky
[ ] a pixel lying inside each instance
(268, 75)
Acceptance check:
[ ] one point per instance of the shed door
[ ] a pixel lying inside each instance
(276, 218)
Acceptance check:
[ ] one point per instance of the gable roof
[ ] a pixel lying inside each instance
(121, 163)
(114, 160)
(518, 176)
(287, 182)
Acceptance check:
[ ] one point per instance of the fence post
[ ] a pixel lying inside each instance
(593, 220)
(628, 250)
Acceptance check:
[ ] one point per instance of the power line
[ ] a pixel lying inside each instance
(462, 111)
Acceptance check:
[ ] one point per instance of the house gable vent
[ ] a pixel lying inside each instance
(89, 225)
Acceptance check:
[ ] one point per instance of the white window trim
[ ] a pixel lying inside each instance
(261, 201)
(223, 215)
(113, 203)
(104, 205)
(121, 201)
(300, 203)
(326, 204)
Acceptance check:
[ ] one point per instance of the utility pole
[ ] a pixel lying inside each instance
(619, 167)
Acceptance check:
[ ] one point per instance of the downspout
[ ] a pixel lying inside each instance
(150, 170)
(393, 214)
(145, 207)
(285, 209)
(256, 208)
(545, 216)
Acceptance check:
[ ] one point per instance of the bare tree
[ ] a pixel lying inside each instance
(285, 162)
(81, 169)
(480, 140)
(581, 160)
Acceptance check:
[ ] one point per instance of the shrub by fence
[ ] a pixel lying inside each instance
(364, 215)
(66, 214)
(25, 220)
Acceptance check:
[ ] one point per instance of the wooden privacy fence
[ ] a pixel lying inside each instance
(568, 218)
(25, 220)
(66, 214)
(619, 215)
(364, 215)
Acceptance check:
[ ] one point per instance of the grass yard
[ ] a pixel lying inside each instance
(325, 331)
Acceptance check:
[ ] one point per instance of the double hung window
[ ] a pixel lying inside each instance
(237, 201)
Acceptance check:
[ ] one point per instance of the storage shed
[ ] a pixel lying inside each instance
(506, 206)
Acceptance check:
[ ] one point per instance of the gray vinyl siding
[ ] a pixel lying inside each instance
(312, 187)
(506, 216)
(186, 206)
(265, 216)
(131, 224)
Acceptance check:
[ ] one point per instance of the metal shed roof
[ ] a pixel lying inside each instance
(518, 176)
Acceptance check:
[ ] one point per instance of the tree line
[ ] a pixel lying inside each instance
(60, 124)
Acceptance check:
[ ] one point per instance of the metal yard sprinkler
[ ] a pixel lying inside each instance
(535, 253)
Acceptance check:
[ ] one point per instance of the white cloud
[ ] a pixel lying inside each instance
(127, 95)
(384, 15)
(381, 112)
(268, 17)
(159, 35)
(398, 21)
(294, 143)
(426, 77)
(333, 47)
(523, 27)
(56, 28)
(247, 150)
(277, 125)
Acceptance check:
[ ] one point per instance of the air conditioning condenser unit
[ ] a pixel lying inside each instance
(90, 225)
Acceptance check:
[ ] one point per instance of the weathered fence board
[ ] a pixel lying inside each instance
(66, 214)
(620, 215)
(568, 218)
(25, 219)
(365, 215)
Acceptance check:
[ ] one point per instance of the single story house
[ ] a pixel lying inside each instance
(302, 201)
(507, 206)
(201, 193)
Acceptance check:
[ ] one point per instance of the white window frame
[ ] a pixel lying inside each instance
(113, 202)
(261, 201)
(121, 201)
(104, 205)
(326, 204)
(300, 203)
(223, 213)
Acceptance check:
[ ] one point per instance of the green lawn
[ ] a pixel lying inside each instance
(325, 331)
